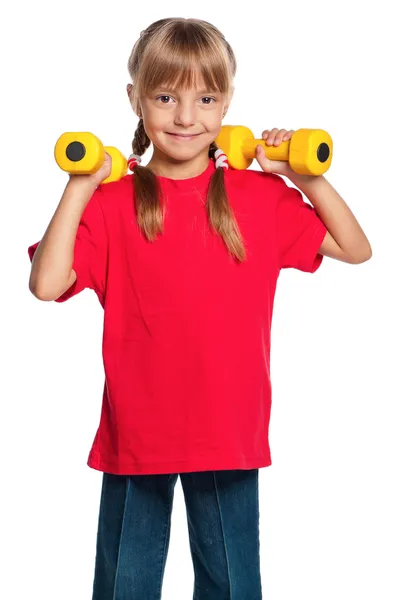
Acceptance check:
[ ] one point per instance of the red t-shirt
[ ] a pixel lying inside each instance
(186, 337)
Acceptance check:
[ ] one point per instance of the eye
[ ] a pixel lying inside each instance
(209, 98)
(163, 97)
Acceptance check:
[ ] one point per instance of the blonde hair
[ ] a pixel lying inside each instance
(171, 51)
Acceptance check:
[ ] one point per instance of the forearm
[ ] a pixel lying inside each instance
(53, 259)
(335, 214)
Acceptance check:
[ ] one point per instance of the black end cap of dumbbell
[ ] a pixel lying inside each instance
(75, 151)
(323, 152)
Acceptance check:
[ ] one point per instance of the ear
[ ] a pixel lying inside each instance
(228, 101)
(130, 93)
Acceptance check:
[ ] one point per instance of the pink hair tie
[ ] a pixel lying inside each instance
(221, 159)
(133, 160)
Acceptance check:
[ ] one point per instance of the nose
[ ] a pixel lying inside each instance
(185, 114)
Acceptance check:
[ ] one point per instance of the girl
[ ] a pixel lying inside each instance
(184, 256)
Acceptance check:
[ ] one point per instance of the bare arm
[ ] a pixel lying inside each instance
(345, 240)
(51, 270)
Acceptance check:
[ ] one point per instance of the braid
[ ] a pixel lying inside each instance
(147, 196)
(141, 141)
(212, 149)
(220, 212)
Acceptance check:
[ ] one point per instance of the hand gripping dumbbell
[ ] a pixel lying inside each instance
(82, 153)
(309, 151)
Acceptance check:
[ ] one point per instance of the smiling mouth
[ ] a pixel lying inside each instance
(183, 135)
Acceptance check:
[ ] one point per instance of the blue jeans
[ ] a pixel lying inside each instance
(134, 528)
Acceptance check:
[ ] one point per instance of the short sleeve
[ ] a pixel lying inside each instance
(90, 251)
(300, 232)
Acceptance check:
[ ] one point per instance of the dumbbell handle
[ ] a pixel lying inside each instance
(281, 152)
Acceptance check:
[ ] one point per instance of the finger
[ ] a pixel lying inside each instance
(288, 135)
(263, 161)
(271, 136)
(265, 133)
(279, 137)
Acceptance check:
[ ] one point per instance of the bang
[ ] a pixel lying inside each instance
(178, 63)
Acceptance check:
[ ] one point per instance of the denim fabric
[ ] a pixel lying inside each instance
(134, 529)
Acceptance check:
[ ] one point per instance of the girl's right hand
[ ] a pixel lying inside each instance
(98, 177)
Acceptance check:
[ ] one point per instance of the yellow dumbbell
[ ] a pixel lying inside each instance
(309, 151)
(82, 153)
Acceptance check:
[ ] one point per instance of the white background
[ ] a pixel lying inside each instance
(326, 502)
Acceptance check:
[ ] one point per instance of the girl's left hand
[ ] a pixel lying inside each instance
(275, 137)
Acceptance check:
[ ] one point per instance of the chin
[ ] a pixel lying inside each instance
(183, 149)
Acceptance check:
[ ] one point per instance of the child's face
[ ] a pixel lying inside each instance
(197, 112)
